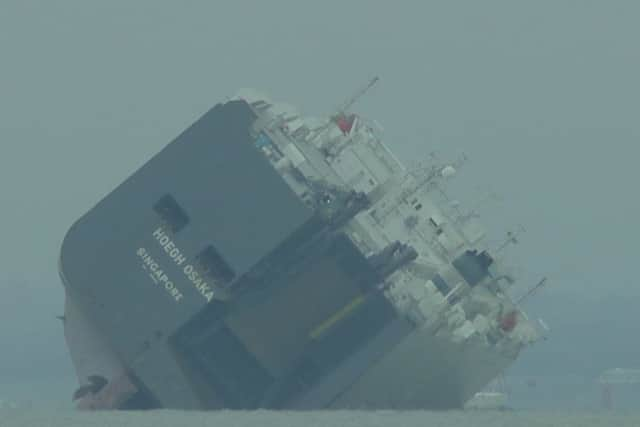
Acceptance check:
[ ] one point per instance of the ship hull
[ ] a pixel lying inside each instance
(240, 269)
(424, 371)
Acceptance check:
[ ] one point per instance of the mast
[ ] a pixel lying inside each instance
(348, 103)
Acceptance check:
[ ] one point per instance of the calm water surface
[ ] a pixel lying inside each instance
(66, 418)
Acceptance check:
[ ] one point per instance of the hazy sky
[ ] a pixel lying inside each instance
(542, 96)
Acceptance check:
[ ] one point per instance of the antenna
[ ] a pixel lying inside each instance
(348, 103)
(435, 170)
(512, 238)
(532, 291)
(473, 212)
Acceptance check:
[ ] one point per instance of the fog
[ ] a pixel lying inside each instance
(542, 97)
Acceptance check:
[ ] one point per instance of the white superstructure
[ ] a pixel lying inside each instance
(453, 289)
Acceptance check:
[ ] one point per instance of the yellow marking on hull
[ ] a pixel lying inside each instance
(336, 317)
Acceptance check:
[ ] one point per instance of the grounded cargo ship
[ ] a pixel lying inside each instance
(267, 260)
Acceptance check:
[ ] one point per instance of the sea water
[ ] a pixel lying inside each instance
(164, 418)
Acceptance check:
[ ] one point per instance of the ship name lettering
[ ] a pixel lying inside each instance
(178, 257)
(198, 282)
(169, 246)
(158, 275)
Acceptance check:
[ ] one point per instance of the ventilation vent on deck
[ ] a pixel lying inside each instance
(171, 213)
(215, 267)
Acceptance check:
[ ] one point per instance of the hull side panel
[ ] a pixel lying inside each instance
(425, 371)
